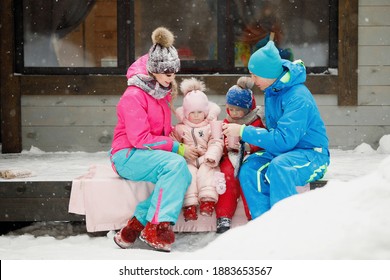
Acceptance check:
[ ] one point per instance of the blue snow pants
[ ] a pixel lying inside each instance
(266, 179)
(167, 170)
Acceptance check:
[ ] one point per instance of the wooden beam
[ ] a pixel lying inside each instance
(10, 105)
(116, 85)
(348, 53)
(36, 201)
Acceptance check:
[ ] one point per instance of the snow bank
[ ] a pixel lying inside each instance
(384, 145)
(344, 220)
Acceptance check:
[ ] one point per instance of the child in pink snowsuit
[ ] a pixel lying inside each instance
(194, 130)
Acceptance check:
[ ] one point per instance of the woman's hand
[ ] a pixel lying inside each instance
(190, 153)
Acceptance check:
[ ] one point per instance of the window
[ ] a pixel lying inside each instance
(199, 28)
(302, 29)
(105, 36)
(66, 36)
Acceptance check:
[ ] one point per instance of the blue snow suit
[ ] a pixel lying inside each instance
(295, 143)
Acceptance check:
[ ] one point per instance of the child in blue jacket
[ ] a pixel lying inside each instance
(294, 140)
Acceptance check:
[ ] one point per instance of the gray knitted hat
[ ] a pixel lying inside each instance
(163, 57)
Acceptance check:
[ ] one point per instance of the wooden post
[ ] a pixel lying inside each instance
(348, 51)
(10, 104)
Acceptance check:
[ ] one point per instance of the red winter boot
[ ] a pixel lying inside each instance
(126, 237)
(159, 237)
(206, 208)
(189, 213)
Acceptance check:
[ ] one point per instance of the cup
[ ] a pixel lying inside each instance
(233, 142)
(216, 129)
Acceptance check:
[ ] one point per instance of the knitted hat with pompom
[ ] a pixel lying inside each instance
(266, 62)
(194, 97)
(163, 57)
(241, 95)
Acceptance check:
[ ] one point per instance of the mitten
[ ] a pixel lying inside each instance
(219, 182)
(214, 153)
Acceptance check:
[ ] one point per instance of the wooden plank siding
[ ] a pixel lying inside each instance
(86, 123)
(374, 95)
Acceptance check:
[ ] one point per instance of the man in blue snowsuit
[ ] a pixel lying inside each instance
(295, 142)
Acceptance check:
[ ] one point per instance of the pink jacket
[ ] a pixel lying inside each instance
(199, 136)
(143, 121)
(203, 169)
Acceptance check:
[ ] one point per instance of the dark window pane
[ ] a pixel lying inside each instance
(301, 29)
(70, 33)
(193, 22)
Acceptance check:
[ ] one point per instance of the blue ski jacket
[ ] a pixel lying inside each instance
(292, 117)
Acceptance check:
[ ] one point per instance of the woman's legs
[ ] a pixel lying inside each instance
(170, 174)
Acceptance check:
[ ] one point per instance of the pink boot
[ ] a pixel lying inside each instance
(206, 208)
(189, 213)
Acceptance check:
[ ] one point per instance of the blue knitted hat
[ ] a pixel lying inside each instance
(239, 97)
(266, 62)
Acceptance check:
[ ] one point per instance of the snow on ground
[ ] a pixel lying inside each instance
(347, 219)
(66, 166)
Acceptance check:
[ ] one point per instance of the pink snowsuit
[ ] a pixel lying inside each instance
(202, 169)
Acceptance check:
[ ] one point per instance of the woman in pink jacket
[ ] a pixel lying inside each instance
(142, 149)
(194, 130)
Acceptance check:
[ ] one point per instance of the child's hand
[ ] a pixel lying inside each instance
(190, 153)
(226, 142)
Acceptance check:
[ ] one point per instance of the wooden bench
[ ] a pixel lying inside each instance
(35, 201)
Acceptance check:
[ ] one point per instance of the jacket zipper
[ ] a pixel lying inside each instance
(196, 145)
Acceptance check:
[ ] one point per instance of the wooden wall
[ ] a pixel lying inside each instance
(85, 123)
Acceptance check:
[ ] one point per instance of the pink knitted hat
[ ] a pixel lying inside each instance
(194, 97)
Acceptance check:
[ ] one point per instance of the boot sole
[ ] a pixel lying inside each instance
(166, 249)
(206, 214)
(222, 229)
(121, 244)
(186, 220)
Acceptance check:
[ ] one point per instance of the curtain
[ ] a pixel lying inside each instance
(45, 19)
